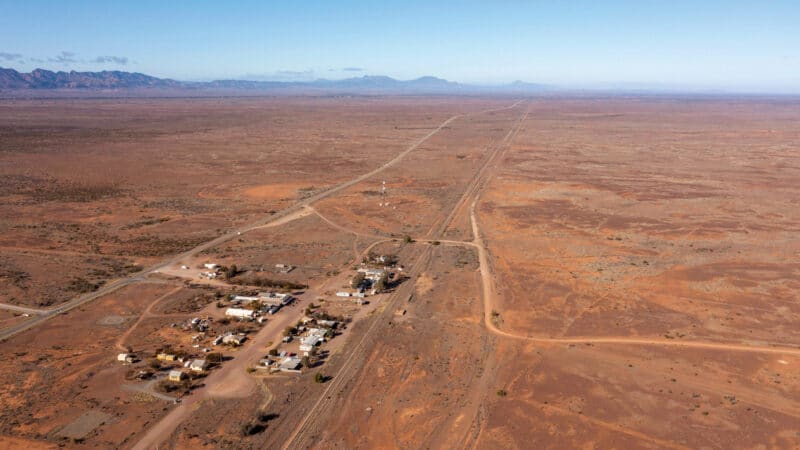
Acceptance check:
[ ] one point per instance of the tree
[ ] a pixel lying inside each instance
(320, 378)
(358, 278)
(288, 331)
(273, 352)
(215, 357)
(306, 361)
(382, 282)
(407, 239)
(231, 272)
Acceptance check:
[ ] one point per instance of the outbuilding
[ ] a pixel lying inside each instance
(309, 342)
(126, 357)
(198, 365)
(176, 375)
(166, 357)
(240, 313)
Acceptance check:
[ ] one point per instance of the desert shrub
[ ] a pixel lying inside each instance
(252, 428)
(82, 285)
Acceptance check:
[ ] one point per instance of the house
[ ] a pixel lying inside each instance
(166, 357)
(245, 298)
(126, 357)
(343, 294)
(176, 375)
(234, 339)
(240, 313)
(319, 332)
(284, 268)
(328, 323)
(309, 342)
(289, 364)
(198, 365)
(372, 274)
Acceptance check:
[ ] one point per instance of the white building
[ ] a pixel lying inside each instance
(126, 357)
(198, 365)
(211, 266)
(309, 342)
(372, 274)
(289, 364)
(319, 332)
(235, 339)
(240, 313)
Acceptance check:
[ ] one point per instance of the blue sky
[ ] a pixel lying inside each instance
(705, 44)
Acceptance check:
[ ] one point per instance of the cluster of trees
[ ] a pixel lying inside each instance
(357, 280)
(253, 280)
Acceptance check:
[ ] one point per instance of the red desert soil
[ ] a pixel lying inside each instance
(632, 282)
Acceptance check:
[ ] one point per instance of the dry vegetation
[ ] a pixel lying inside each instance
(655, 219)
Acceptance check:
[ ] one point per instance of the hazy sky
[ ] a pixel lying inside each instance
(708, 44)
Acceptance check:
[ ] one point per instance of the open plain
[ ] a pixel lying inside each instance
(570, 272)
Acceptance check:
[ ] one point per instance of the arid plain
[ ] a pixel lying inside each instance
(577, 272)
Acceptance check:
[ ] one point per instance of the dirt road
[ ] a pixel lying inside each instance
(294, 211)
(491, 308)
(304, 433)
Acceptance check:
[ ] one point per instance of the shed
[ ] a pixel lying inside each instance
(176, 375)
(198, 365)
(240, 313)
(126, 357)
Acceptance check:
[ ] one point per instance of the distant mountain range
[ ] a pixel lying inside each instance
(46, 79)
(40, 79)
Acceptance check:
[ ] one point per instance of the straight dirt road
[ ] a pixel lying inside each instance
(233, 372)
(283, 215)
(309, 427)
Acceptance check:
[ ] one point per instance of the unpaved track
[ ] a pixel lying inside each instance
(165, 427)
(309, 427)
(22, 309)
(490, 306)
(120, 344)
(293, 211)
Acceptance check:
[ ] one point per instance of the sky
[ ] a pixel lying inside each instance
(699, 44)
